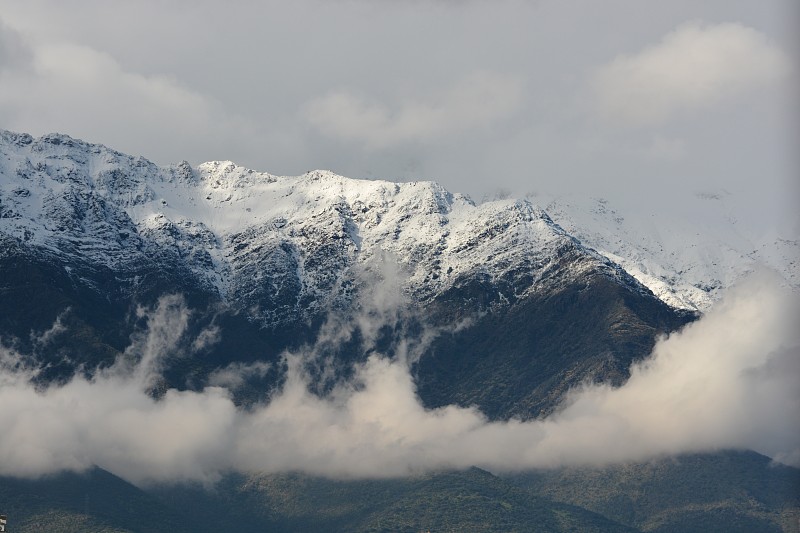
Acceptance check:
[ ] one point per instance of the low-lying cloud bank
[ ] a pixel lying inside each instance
(730, 380)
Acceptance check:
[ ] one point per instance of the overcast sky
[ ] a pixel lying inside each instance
(624, 98)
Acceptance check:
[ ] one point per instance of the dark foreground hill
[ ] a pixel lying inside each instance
(726, 491)
(721, 492)
(473, 500)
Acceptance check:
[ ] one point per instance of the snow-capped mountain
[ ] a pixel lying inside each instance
(525, 308)
(89, 235)
(687, 255)
(531, 306)
(288, 245)
(284, 247)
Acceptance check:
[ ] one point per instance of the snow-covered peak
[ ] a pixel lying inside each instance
(253, 236)
(687, 253)
(286, 244)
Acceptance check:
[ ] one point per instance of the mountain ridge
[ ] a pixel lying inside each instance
(218, 219)
(273, 257)
(205, 213)
(495, 307)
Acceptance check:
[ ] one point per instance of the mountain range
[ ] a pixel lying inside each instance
(503, 306)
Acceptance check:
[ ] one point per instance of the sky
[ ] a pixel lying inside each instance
(642, 101)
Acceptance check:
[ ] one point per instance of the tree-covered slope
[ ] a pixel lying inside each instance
(725, 491)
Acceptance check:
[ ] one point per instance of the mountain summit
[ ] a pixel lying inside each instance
(107, 231)
(88, 234)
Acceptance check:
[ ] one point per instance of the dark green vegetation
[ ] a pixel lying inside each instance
(473, 500)
(725, 492)
(95, 501)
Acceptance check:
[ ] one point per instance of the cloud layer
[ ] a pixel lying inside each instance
(476, 95)
(75, 88)
(476, 102)
(729, 380)
(693, 67)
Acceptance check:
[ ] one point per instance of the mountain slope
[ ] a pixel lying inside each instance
(725, 491)
(95, 501)
(472, 500)
(494, 305)
(91, 234)
(687, 254)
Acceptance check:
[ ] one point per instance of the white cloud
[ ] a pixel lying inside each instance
(235, 375)
(476, 102)
(693, 67)
(729, 380)
(92, 83)
(76, 89)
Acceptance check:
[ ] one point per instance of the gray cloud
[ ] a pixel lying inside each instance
(476, 102)
(694, 66)
(367, 89)
(14, 51)
(64, 86)
(729, 380)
